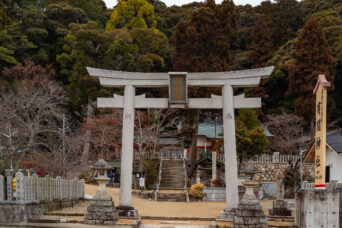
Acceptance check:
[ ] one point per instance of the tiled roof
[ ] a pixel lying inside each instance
(208, 129)
(334, 140)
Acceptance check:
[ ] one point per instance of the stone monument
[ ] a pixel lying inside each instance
(249, 212)
(280, 205)
(101, 209)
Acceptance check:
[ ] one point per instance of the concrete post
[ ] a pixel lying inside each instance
(2, 188)
(213, 165)
(9, 188)
(127, 147)
(19, 182)
(35, 186)
(82, 188)
(59, 188)
(230, 158)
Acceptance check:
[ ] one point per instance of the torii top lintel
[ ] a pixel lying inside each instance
(242, 78)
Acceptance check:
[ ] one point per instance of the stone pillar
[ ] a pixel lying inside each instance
(82, 188)
(230, 158)
(213, 165)
(9, 188)
(35, 188)
(280, 205)
(127, 147)
(2, 188)
(19, 182)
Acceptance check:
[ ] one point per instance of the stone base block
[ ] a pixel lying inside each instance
(127, 211)
(280, 212)
(250, 215)
(228, 214)
(280, 208)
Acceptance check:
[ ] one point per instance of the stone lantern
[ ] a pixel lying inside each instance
(101, 176)
(249, 212)
(101, 209)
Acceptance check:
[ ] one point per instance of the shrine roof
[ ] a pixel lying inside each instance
(334, 143)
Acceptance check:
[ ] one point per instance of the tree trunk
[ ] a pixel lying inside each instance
(85, 154)
(193, 155)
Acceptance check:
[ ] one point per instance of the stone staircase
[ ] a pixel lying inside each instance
(172, 182)
(172, 175)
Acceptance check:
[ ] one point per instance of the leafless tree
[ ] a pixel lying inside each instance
(288, 133)
(34, 113)
(150, 125)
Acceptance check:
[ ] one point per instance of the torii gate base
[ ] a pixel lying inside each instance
(228, 102)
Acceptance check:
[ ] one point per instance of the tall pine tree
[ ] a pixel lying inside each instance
(261, 44)
(313, 57)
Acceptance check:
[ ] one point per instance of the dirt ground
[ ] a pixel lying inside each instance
(171, 209)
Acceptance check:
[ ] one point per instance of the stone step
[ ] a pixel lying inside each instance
(172, 197)
(171, 188)
(171, 180)
(172, 168)
(173, 171)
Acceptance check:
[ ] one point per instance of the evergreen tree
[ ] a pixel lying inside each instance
(132, 14)
(203, 43)
(251, 139)
(261, 44)
(313, 57)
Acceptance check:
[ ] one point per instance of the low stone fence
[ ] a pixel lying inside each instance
(35, 195)
(272, 171)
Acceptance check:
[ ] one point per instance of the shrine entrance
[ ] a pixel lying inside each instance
(178, 83)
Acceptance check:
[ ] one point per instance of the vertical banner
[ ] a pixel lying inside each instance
(320, 130)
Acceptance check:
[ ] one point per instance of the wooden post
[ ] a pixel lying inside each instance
(321, 130)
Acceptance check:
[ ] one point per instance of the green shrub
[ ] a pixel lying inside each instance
(151, 177)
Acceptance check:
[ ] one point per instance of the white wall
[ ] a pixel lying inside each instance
(334, 160)
(201, 140)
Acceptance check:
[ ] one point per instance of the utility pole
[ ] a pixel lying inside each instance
(301, 161)
(10, 144)
(63, 158)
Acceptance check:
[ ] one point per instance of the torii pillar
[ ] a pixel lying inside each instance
(178, 83)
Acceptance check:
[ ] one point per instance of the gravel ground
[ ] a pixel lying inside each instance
(171, 209)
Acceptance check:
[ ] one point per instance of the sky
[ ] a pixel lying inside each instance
(111, 3)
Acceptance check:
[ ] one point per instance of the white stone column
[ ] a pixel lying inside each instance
(19, 185)
(127, 147)
(230, 158)
(9, 188)
(213, 165)
(35, 186)
(82, 188)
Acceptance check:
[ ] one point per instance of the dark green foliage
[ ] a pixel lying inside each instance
(313, 57)
(151, 177)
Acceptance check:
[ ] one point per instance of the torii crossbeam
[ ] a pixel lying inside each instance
(178, 83)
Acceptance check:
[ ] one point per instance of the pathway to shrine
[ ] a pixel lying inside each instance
(178, 83)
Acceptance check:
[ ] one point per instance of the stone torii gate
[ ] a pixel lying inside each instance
(178, 83)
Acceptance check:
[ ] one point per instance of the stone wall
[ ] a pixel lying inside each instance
(13, 212)
(271, 172)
